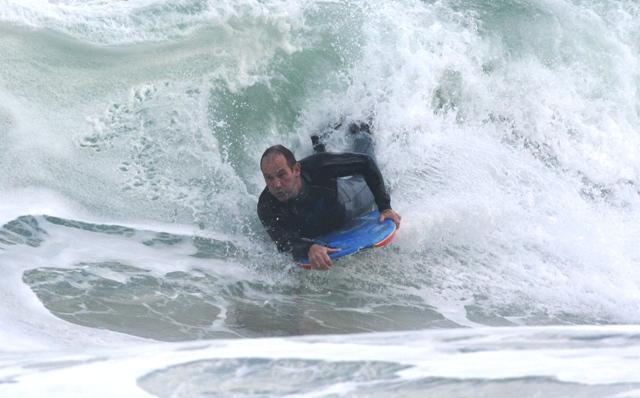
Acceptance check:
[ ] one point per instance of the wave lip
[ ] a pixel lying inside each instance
(124, 22)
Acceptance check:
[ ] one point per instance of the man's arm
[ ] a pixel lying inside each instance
(348, 164)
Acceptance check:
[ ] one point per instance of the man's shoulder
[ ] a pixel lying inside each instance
(267, 202)
(265, 198)
(317, 163)
(270, 210)
(321, 159)
(329, 157)
(313, 158)
(265, 205)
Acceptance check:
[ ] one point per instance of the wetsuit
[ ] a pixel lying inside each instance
(318, 209)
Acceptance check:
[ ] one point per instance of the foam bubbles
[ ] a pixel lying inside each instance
(505, 131)
(506, 134)
(494, 361)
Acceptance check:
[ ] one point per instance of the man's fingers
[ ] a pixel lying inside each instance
(392, 215)
(321, 261)
(319, 256)
(326, 260)
(323, 264)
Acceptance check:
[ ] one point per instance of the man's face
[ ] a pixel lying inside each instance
(283, 182)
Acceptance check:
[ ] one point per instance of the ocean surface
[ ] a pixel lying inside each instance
(132, 261)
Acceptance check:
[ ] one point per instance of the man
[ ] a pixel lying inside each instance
(309, 198)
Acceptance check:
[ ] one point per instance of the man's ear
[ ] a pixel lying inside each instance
(296, 168)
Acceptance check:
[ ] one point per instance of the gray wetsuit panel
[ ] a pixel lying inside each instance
(353, 191)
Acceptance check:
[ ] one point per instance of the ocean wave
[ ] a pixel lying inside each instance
(124, 22)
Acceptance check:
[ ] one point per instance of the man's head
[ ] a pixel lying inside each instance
(281, 172)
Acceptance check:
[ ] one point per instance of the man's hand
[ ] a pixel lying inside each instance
(319, 256)
(392, 215)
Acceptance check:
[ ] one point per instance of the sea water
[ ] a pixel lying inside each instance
(132, 260)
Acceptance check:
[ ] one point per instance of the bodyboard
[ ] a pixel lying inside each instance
(361, 233)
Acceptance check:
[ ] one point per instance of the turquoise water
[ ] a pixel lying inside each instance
(131, 132)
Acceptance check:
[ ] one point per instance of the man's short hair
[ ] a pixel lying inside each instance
(282, 150)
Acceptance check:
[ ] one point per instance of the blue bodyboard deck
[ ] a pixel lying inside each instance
(361, 233)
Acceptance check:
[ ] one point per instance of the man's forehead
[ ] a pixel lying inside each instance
(274, 161)
(274, 157)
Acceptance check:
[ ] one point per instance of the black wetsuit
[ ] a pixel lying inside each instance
(317, 210)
